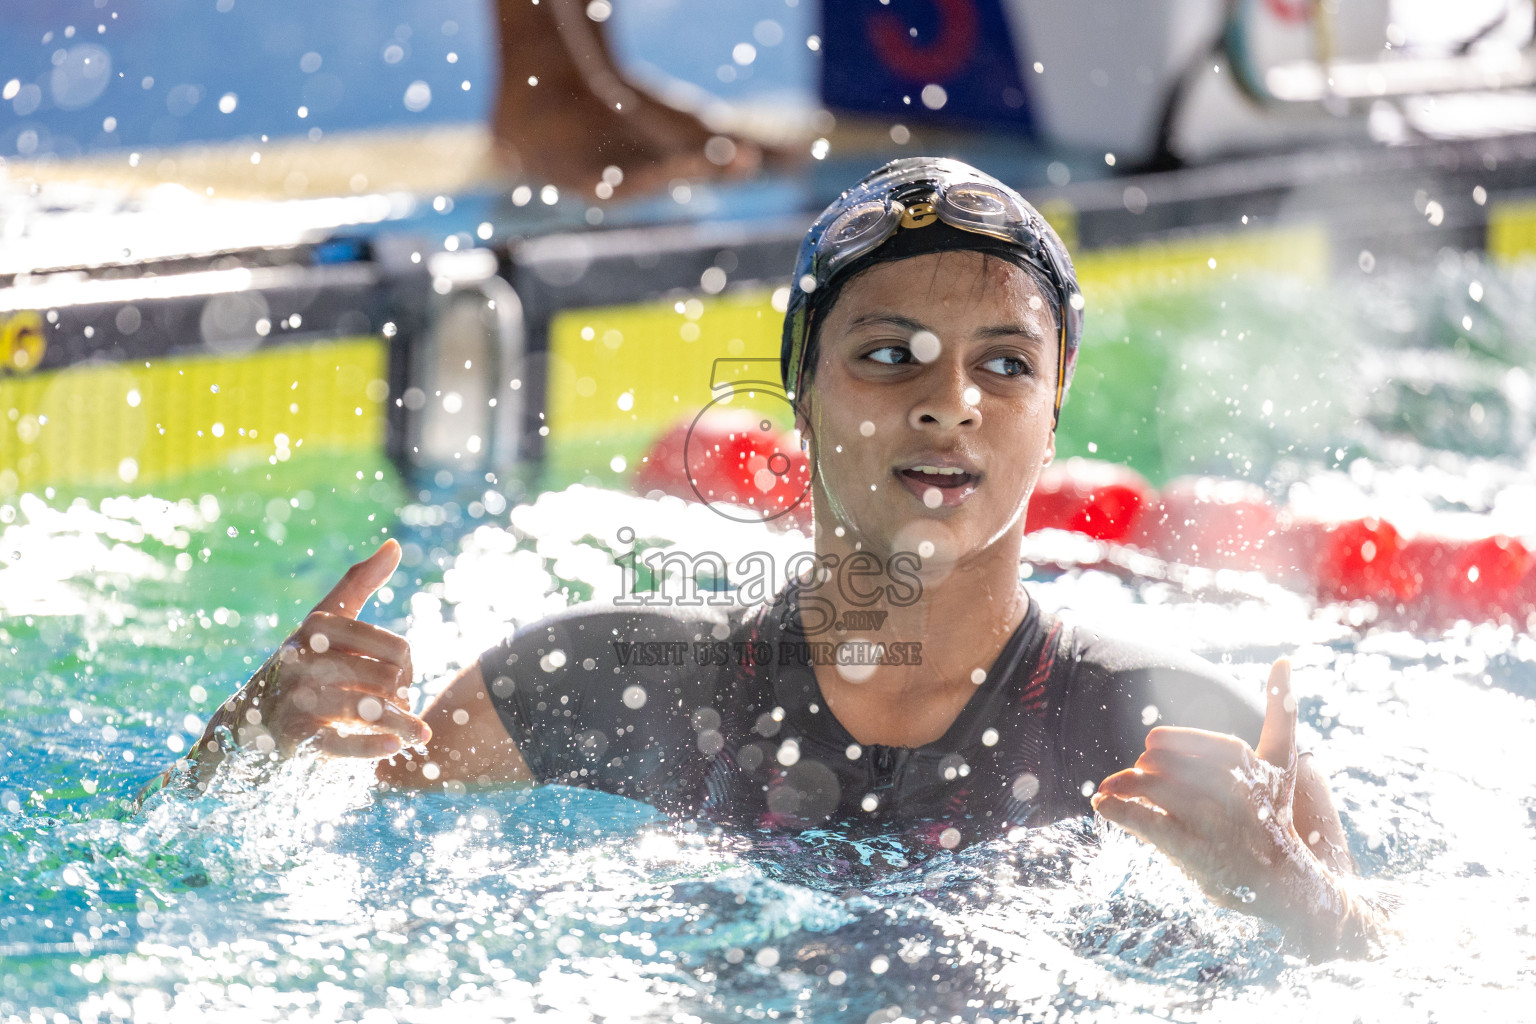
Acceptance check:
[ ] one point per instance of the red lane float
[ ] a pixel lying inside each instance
(1473, 579)
(1228, 524)
(1101, 499)
(1215, 524)
(1356, 560)
(735, 462)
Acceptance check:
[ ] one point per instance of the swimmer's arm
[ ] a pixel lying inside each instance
(469, 744)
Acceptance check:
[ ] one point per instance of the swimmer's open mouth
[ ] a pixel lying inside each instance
(944, 478)
(939, 483)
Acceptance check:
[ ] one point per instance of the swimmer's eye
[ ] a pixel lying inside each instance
(1008, 366)
(891, 355)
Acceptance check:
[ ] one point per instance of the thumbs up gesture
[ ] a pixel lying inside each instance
(1223, 812)
(337, 682)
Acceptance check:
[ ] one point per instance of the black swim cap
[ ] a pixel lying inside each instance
(914, 207)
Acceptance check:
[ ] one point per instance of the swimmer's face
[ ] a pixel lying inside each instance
(945, 361)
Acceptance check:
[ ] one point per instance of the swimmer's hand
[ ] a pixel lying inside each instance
(1226, 814)
(336, 682)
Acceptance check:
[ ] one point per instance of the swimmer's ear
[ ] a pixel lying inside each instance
(1050, 449)
(357, 586)
(803, 428)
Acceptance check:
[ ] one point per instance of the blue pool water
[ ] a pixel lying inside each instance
(306, 895)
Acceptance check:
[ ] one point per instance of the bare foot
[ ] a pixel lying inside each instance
(564, 114)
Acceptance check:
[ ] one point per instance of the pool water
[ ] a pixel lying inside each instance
(301, 894)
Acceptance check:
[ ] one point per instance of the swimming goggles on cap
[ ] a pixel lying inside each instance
(912, 193)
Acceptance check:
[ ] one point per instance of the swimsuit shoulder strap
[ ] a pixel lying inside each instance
(1048, 679)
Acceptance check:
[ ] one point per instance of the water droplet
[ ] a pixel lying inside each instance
(925, 346)
(418, 96)
(1026, 786)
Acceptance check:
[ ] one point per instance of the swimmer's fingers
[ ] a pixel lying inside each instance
(1277, 740)
(361, 709)
(369, 745)
(1187, 802)
(1197, 742)
(1223, 766)
(1163, 831)
(360, 582)
(1212, 778)
(1204, 860)
(338, 668)
(340, 633)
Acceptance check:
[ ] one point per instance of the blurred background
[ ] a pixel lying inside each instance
(395, 179)
(535, 242)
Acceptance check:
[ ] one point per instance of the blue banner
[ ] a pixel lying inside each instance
(880, 57)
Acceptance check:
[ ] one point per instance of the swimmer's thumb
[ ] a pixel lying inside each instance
(357, 586)
(1277, 740)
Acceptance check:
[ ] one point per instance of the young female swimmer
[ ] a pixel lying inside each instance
(930, 338)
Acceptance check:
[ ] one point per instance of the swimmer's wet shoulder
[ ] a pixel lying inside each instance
(1120, 690)
(606, 698)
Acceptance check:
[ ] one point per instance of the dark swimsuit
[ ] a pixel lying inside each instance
(700, 714)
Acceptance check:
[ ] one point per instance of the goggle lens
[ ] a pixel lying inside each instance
(859, 230)
(979, 206)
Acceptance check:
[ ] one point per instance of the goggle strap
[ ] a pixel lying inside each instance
(1061, 366)
(805, 341)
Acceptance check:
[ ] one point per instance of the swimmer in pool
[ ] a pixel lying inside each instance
(930, 339)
